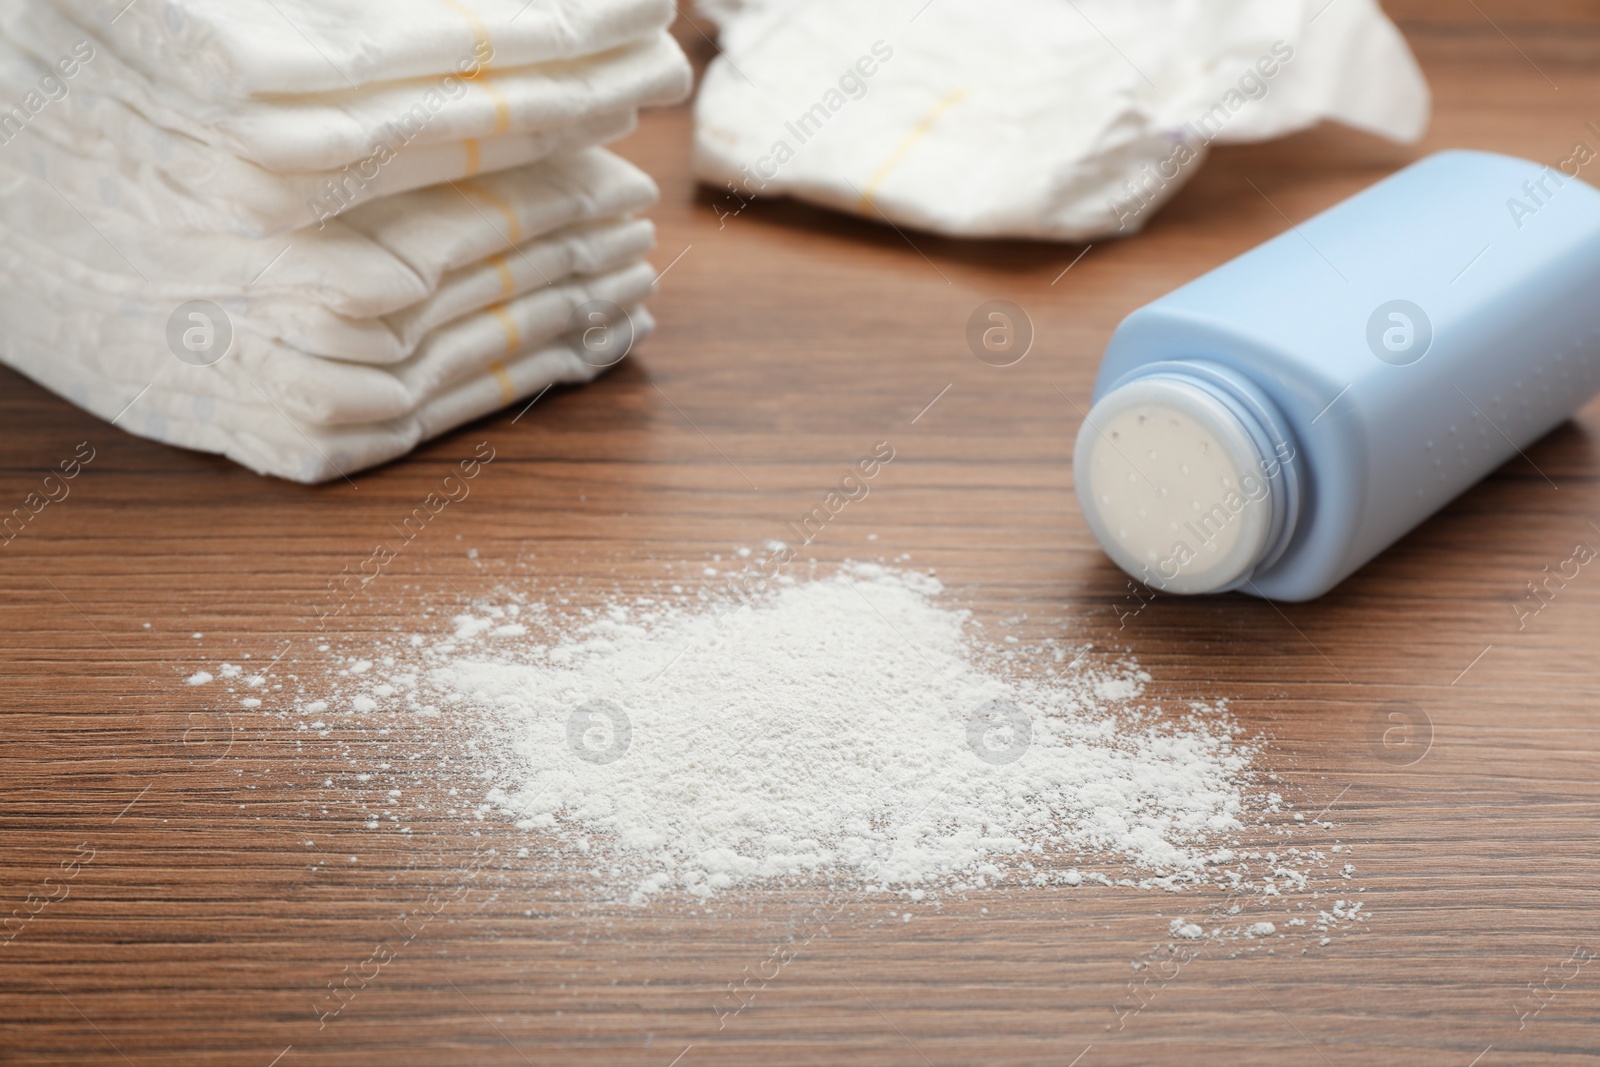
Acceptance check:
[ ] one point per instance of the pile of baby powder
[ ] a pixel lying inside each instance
(852, 729)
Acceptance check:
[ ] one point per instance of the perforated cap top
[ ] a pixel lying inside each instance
(1170, 481)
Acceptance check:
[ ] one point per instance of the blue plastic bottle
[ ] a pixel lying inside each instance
(1276, 423)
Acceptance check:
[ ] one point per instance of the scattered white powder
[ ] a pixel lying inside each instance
(199, 678)
(853, 730)
(832, 727)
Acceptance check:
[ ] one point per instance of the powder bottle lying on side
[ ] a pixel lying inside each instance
(1274, 424)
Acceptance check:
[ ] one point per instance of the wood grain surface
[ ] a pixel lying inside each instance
(201, 897)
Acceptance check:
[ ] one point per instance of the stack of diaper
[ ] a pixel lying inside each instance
(308, 235)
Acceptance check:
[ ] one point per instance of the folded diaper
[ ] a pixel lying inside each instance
(213, 244)
(381, 258)
(480, 314)
(336, 128)
(179, 406)
(98, 150)
(1030, 118)
(127, 336)
(224, 49)
(525, 268)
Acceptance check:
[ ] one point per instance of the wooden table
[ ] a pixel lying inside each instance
(201, 902)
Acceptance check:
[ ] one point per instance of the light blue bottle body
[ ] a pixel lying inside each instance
(1395, 348)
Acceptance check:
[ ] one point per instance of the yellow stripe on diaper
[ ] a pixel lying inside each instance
(508, 388)
(513, 224)
(508, 280)
(502, 106)
(918, 132)
(483, 54)
(509, 325)
(482, 46)
(474, 157)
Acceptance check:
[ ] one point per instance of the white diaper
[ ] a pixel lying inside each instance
(450, 279)
(378, 259)
(313, 388)
(231, 49)
(1029, 118)
(207, 239)
(177, 404)
(379, 122)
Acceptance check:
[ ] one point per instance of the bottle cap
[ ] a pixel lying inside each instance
(1172, 483)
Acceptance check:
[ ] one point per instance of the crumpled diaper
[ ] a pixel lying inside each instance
(1055, 119)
